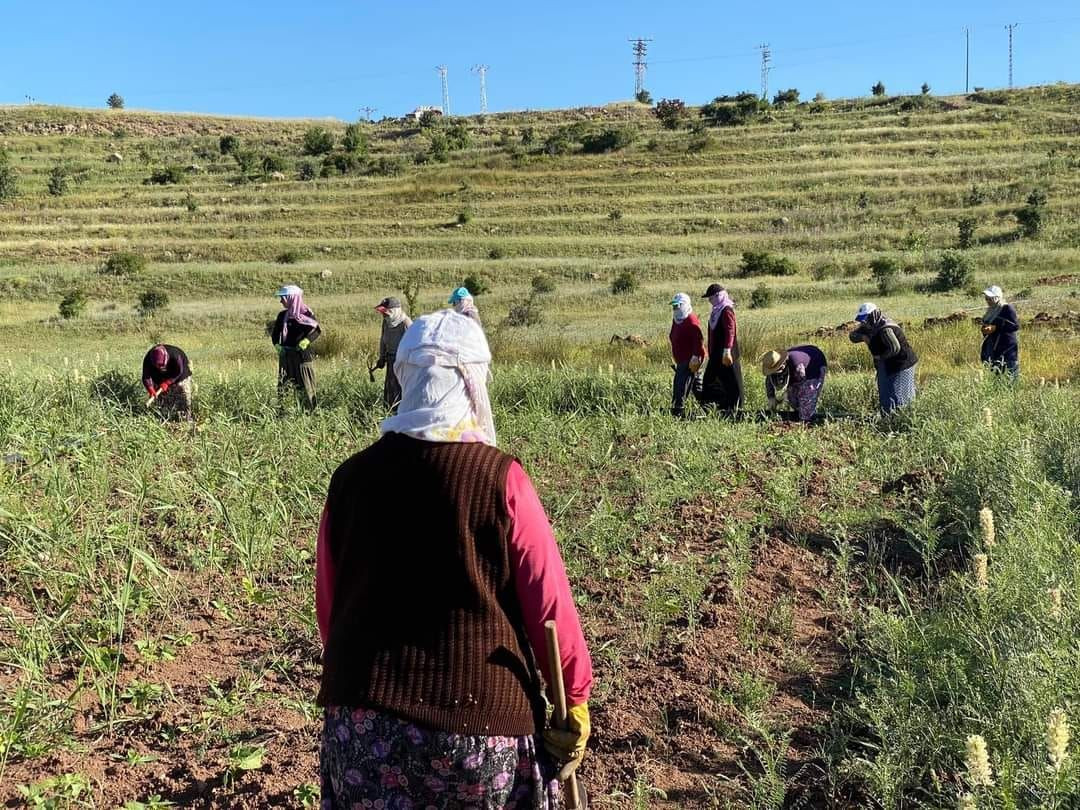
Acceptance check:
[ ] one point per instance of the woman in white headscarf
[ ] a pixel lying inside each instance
(687, 350)
(434, 637)
(1000, 348)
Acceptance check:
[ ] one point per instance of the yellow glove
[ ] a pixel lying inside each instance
(567, 746)
(695, 364)
(303, 344)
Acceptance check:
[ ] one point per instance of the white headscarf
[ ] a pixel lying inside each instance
(681, 307)
(442, 364)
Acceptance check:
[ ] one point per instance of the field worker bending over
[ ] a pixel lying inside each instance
(687, 350)
(722, 383)
(394, 324)
(1000, 348)
(462, 302)
(427, 669)
(894, 358)
(167, 378)
(294, 331)
(797, 373)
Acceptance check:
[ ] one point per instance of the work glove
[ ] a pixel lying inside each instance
(989, 329)
(695, 364)
(727, 359)
(567, 746)
(165, 386)
(303, 344)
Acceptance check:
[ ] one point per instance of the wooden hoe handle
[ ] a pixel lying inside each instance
(558, 696)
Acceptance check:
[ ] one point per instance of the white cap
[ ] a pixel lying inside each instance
(288, 289)
(993, 291)
(865, 310)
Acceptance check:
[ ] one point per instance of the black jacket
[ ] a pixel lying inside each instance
(296, 333)
(1002, 341)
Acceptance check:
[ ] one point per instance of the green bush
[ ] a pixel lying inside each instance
(429, 118)
(386, 166)
(475, 285)
(955, 271)
(1030, 216)
(340, 163)
(9, 182)
(151, 302)
(763, 263)
(355, 140)
(227, 144)
(167, 176)
(670, 112)
(761, 297)
(306, 171)
(496, 253)
(73, 305)
(289, 257)
(190, 203)
(115, 102)
(624, 283)
(785, 97)
(528, 136)
(438, 146)
(317, 141)
(528, 313)
(543, 284)
(464, 216)
(643, 97)
(727, 111)
(458, 137)
(59, 180)
(886, 271)
(965, 237)
(123, 263)
(273, 163)
(614, 215)
(247, 162)
(558, 143)
(607, 140)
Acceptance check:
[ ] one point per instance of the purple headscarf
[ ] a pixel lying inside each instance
(159, 356)
(720, 301)
(295, 308)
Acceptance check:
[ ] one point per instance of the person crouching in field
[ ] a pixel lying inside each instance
(797, 373)
(722, 383)
(1000, 348)
(462, 302)
(394, 324)
(166, 376)
(294, 331)
(894, 359)
(687, 350)
(430, 693)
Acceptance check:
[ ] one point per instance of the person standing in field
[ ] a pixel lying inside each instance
(722, 383)
(294, 331)
(431, 642)
(798, 374)
(1000, 348)
(894, 359)
(394, 324)
(687, 350)
(166, 375)
(462, 302)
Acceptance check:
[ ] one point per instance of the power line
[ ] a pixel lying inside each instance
(641, 50)
(367, 111)
(481, 71)
(766, 58)
(445, 90)
(1010, 28)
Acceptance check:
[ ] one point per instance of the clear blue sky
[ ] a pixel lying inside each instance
(331, 57)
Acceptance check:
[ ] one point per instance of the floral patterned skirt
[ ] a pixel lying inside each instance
(371, 759)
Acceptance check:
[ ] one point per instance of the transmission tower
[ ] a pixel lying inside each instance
(766, 58)
(641, 50)
(367, 111)
(481, 71)
(445, 90)
(1010, 28)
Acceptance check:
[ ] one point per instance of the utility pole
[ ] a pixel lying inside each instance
(766, 58)
(967, 59)
(1010, 28)
(481, 71)
(367, 111)
(641, 50)
(445, 90)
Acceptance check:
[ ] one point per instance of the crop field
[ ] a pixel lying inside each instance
(836, 615)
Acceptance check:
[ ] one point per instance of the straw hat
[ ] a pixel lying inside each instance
(772, 362)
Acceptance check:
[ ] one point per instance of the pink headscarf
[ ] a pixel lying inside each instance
(720, 301)
(159, 356)
(295, 308)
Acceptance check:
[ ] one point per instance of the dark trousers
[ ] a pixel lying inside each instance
(1006, 362)
(294, 373)
(722, 386)
(684, 381)
(391, 392)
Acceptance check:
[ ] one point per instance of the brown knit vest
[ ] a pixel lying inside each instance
(425, 622)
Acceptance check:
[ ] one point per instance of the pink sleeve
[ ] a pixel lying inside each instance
(324, 577)
(542, 587)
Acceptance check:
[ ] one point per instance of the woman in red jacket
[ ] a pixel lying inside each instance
(687, 349)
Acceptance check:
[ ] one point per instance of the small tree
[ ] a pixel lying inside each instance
(761, 297)
(608, 140)
(115, 101)
(123, 263)
(227, 144)
(429, 118)
(885, 271)
(464, 216)
(728, 111)
(965, 233)
(73, 305)
(306, 170)
(59, 180)
(763, 263)
(475, 285)
(411, 289)
(167, 176)
(247, 161)
(528, 136)
(1030, 216)
(151, 302)
(954, 271)
(355, 140)
(528, 313)
(543, 284)
(925, 89)
(670, 112)
(624, 283)
(9, 182)
(273, 163)
(878, 89)
(785, 97)
(643, 97)
(438, 146)
(317, 141)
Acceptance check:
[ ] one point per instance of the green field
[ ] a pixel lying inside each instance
(777, 614)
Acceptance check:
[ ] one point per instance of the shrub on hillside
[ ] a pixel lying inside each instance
(247, 162)
(115, 102)
(955, 271)
(123, 263)
(340, 163)
(429, 118)
(152, 302)
(965, 236)
(273, 163)
(9, 183)
(1030, 216)
(190, 203)
(167, 176)
(670, 112)
(527, 313)
(607, 140)
(289, 257)
(317, 141)
(643, 97)
(528, 136)
(727, 111)
(925, 89)
(438, 146)
(886, 272)
(496, 253)
(785, 97)
(458, 137)
(227, 144)
(73, 305)
(386, 166)
(475, 285)
(355, 140)
(59, 180)
(543, 284)
(558, 143)
(464, 216)
(878, 89)
(763, 263)
(306, 171)
(761, 297)
(624, 283)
